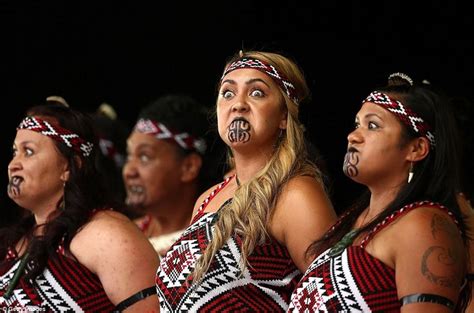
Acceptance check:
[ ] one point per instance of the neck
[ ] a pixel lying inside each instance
(246, 167)
(44, 213)
(173, 215)
(380, 199)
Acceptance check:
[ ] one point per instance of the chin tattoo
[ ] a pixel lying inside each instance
(239, 131)
(350, 164)
(13, 187)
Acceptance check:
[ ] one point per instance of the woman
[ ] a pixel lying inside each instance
(72, 252)
(164, 171)
(402, 247)
(245, 247)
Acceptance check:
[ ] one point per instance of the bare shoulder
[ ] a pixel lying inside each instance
(303, 191)
(107, 223)
(108, 234)
(303, 213)
(429, 225)
(429, 253)
(112, 246)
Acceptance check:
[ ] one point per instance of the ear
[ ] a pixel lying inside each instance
(190, 167)
(418, 149)
(66, 173)
(284, 120)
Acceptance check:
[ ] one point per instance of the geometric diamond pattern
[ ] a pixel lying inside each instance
(353, 281)
(265, 285)
(56, 289)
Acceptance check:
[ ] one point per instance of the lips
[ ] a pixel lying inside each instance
(352, 149)
(351, 162)
(13, 187)
(239, 130)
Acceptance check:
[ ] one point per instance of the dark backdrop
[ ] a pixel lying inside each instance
(128, 55)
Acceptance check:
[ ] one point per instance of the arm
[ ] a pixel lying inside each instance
(429, 258)
(113, 248)
(303, 214)
(466, 209)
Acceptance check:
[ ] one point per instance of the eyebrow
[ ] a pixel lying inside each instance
(248, 82)
(372, 115)
(25, 142)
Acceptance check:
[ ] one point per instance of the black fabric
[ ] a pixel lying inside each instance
(135, 298)
(426, 297)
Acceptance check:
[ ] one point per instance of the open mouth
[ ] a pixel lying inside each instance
(135, 195)
(239, 130)
(13, 188)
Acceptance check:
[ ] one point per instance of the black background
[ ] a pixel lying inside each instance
(129, 54)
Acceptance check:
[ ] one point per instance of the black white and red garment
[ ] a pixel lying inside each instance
(64, 286)
(264, 286)
(353, 281)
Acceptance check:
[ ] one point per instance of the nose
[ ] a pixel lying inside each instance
(240, 105)
(354, 136)
(14, 166)
(129, 169)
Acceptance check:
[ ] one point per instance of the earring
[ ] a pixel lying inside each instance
(410, 173)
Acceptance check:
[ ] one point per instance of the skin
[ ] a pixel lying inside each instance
(160, 182)
(110, 245)
(424, 246)
(466, 209)
(37, 173)
(303, 212)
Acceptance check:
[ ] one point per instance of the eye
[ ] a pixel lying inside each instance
(257, 93)
(28, 152)
(14, 152)
(144, 158)
(356, 124)
(226, 94)
(372, 125)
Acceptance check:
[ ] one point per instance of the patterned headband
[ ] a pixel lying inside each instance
(404, 114)
(160, 131)
(268, 69)
(57, 133)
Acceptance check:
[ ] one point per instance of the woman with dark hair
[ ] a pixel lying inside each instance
(166, 167)
(403, 246)
(72, 252)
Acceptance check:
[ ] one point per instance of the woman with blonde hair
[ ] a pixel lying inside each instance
(245, 247)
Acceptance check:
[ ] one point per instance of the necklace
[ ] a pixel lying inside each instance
(343, 243)
(16, 277)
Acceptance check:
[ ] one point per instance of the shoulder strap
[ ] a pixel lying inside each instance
(214, 193)
(407, 208)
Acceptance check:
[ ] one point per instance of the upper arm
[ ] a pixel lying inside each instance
(303, 214)
(121, 256)
(429, 258)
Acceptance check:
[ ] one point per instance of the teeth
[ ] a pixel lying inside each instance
(16, 180)
(136, 189)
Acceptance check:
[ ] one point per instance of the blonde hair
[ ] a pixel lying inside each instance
(253, 204)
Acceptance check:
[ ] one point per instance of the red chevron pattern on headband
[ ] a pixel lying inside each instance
(160, 131)
(268, 69)
(404, 114)
(57, 133)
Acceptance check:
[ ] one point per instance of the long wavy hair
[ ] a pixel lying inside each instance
(435, 178)
(249, 212)
(83, 192)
